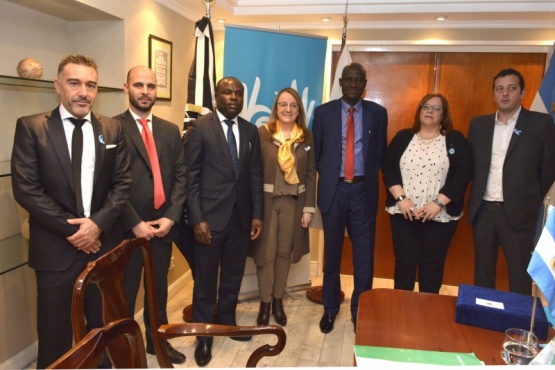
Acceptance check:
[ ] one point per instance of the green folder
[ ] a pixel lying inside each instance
(417, 356)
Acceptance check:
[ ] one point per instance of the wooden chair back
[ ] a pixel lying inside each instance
(108, 273)
(123, 341)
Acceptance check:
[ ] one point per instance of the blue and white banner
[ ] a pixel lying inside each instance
(544, 101)
(268, 61)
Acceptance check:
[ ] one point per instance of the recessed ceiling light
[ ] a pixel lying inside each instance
(326, 19)
(441, 18)
(221, 20)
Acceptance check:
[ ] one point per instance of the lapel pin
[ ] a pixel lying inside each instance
(517, 132)
(101, 139)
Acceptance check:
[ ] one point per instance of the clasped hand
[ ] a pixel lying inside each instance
(425, 213)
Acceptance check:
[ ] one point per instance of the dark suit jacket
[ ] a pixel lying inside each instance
(42, 183)
(212, 187)
(326, 128)
(528, 171)
(140, 206)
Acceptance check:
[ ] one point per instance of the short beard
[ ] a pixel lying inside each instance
(134, 103)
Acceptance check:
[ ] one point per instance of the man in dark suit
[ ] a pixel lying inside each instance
(348, 157)
(224, 205)
(73, 212)
(144, 216)
(514, 156)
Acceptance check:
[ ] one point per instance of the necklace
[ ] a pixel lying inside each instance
(427, 141)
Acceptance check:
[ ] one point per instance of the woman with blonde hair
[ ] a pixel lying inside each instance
(289, 172)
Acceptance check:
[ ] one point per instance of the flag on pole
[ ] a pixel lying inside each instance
(202, 75)
(344, 59)
(542, 263)
(544, 101)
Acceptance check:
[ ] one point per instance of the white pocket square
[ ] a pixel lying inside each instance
(110, 146)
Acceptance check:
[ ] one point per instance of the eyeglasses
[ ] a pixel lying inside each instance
(510, 88)
(436, 108)
(284, 105)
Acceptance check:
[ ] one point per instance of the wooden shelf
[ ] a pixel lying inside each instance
(42, 84)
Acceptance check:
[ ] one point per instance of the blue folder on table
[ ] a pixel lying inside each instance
(499, 310)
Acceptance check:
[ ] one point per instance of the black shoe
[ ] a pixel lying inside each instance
(174, 355)
(326, 323)
(242, 339)
(263, 313)
(279, 312)
(203, 353)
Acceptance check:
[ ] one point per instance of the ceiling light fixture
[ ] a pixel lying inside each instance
(221, 20)
(325, 19)
(441, 18)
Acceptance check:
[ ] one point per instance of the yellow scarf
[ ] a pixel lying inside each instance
(286, 159)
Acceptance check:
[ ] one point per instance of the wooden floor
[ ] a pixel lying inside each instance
(306, 345)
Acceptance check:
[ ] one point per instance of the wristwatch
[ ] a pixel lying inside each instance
(401, 197)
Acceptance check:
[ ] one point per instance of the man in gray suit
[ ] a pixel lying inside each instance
(70, 171)
(144, 215)
(224, 205)
(514, 156)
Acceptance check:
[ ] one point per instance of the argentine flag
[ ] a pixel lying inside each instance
(544, 100)
(542, 264)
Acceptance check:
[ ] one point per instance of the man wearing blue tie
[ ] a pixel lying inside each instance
(350, 139)
(224, 206)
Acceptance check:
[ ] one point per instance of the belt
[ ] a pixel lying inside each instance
(497, 203)
(353, 180)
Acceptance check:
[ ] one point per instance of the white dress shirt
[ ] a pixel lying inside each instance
(502, 134)
(89, 155)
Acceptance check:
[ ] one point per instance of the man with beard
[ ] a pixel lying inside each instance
(157, 193)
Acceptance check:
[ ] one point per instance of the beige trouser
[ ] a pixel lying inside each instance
(272, 277)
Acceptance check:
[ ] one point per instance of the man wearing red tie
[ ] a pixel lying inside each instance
(157, 192)
(350, 139)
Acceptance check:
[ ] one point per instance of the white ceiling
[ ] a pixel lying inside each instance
(368, 14)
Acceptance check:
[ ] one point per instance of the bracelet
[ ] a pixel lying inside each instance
(436, 201)
(401, 197)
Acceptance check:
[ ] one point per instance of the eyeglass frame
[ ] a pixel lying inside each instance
(284, 105)
(435, 108)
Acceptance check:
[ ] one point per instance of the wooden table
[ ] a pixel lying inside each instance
(423, 321)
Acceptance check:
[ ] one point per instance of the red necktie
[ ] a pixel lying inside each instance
(159, 196)
(350, 147)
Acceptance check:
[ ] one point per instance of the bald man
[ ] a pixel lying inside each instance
(157, 192)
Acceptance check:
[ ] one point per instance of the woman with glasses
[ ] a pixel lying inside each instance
(289, 200)
(427, 170)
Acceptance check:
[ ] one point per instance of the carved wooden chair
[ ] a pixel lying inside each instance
(108, 273)
(123, 341)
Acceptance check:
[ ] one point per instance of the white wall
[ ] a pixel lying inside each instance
(116, 45)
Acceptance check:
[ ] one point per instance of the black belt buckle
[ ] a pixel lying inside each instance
(347, 181)
(351, 181)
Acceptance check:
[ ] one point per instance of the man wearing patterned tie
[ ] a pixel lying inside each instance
(224, 205)
(157, 192)
(350, 140)
(72, 219)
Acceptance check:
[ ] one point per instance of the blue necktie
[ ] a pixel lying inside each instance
(232, 144)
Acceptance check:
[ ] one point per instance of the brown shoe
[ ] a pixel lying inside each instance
(263, 313)
(279, 313)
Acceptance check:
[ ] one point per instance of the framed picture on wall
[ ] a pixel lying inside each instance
(160, 61)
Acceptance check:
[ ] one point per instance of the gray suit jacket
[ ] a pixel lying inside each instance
(42, 183)
(140, 206)
(212, 187)
(528, 171)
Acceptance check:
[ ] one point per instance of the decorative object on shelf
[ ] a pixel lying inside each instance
(29, 68)
(160, 61)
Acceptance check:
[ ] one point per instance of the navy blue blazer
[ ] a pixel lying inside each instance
(212, 188)
(326, 128)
